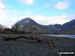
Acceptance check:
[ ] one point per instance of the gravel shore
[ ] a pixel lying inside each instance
(24, 47)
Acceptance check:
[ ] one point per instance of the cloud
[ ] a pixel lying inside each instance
(45, 20)
(28, 2)
(11, 22)
(53, 20)
(1, 4)
(62, 5)
(3, 14)
(13, 17)
(50, 20)
(72, 16)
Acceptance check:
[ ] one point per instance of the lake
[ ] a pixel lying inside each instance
(54, 35)
(69, 36)
(44, 35)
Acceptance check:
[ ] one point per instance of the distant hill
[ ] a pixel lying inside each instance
(2, 27)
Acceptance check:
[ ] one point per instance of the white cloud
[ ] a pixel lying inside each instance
(62, 5)
(45, 20)
(11, 22)
(1, 4)
(3, 14)
(29, 2)
(50, 20)
(53, 20)
(72, 16)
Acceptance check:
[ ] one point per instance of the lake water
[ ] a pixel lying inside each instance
(55, 35)
(52, 35)
(69, 36)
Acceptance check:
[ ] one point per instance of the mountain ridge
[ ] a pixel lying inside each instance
(31, 25)
(28, 25)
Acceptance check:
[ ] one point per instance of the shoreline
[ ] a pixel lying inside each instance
(24, 47)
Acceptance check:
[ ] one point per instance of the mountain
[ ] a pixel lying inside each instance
(66, 28)
(52, 28)
(29, 25)
(69, 27)
(69, 24)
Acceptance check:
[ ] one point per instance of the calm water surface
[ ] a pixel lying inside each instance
(55, 35)
(70, 36)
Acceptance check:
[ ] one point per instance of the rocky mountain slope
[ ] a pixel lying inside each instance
(28, 25)
(69, 27)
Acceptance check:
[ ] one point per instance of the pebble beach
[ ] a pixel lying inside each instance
(24, 47)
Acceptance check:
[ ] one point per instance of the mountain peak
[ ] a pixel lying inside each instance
(26, 23)
(26, 20)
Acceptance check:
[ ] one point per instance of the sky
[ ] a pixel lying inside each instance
(44, 12)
